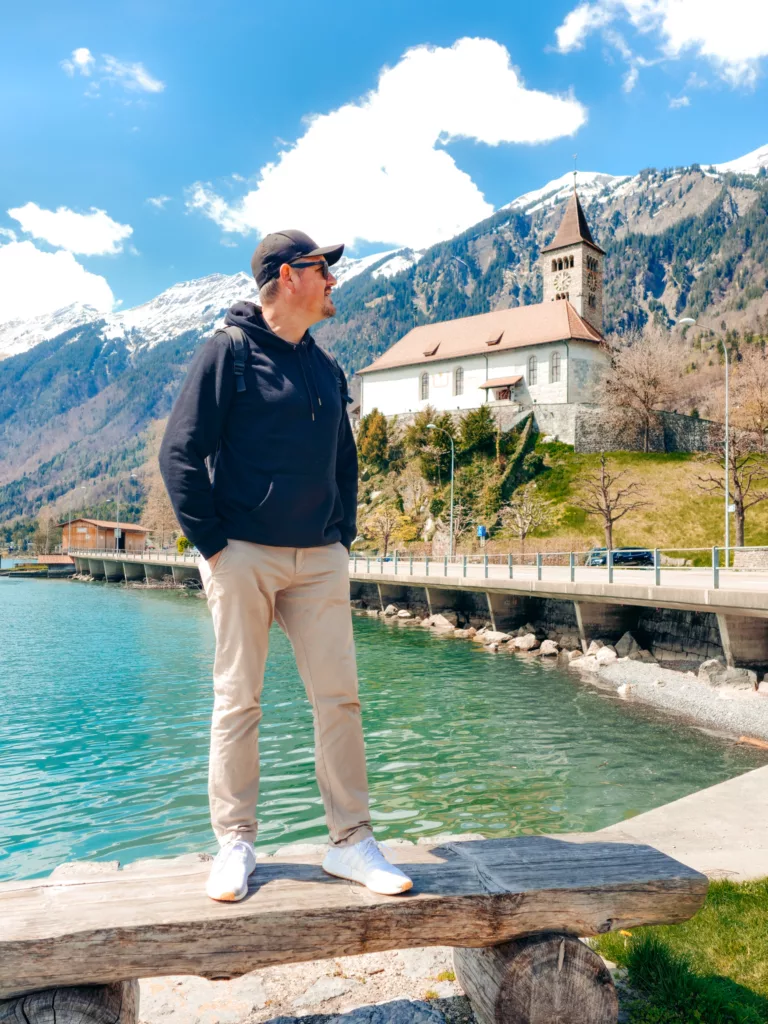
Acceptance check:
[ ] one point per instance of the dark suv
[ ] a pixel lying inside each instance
(621, 556)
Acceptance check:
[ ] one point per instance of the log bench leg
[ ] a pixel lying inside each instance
(541, 979)
(84, 1004)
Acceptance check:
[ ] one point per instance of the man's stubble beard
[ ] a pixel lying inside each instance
(329, 309)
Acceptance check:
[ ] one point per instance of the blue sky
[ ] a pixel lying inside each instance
(108, 106)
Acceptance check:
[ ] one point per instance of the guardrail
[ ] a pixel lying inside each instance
(573, 566)
(148, 555)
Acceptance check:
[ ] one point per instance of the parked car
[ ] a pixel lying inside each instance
(621, 557)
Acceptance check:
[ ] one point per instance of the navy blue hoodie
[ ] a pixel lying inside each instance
(284, 458)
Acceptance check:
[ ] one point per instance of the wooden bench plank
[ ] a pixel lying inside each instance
(96, 929)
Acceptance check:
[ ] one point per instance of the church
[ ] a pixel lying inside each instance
(544, 358)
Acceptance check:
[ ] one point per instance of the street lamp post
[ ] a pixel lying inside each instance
(433, 426)
(688, 321)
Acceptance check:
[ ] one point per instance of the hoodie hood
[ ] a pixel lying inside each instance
(248, 316)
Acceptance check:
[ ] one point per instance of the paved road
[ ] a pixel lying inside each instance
(680, 578)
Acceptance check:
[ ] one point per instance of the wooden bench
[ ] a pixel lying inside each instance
(512, 908)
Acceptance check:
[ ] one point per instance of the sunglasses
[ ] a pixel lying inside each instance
(322, 267)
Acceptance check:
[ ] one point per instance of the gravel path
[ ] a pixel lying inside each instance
(732, 712)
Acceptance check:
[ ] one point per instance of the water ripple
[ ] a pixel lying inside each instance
(106, 697)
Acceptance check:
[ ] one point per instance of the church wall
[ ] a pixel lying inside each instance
(398, 390)
(585, 367)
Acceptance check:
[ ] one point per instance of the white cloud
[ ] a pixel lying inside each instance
(376, 169)
(579, 23)
(158, 201)
(36, 282)
(8, 233)
(90, 234)
(82, 60)
(630, 79)
(131, 76)
(734, 39)
(679, 101)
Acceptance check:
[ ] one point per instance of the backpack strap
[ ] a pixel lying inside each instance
(237, 340)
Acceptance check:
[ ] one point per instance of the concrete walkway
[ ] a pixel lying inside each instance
(721, 831)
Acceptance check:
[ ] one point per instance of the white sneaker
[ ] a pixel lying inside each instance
(365, 863)
(234, 863)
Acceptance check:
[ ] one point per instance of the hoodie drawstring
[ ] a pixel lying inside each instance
(306, 382)
(314, 380)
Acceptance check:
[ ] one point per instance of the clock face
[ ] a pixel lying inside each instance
(562, 281)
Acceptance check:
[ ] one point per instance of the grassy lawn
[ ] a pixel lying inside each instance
(679, 515)
(712, 969)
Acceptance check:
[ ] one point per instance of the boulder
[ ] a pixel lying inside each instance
(449, 615)
(712, 672)
(525, 643)
(404, 613)
(627, 646)
(740, 679)
(491, 636)
(464, 634)
(390, 610)
(548, 648)
(624, 690)
(573, 655)
(492, 647)
(569, 642)
(441, 623)
(642, 655)
(605, 655)
(595, 646)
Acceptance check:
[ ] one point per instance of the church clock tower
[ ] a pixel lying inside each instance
(572, 266)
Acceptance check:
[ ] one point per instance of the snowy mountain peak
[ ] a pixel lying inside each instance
(750, 163)
(18, 336)
(590, 184)
(190, 305)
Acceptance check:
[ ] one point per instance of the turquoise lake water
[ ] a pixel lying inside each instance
(105, 694)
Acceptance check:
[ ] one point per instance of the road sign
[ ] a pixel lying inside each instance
(731, 508)
(118, 533)
(482, 532)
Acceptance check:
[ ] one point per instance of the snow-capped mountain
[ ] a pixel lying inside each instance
(192, 305)
(750, 163)
(20, 335)
(591, 184)
(200, 304)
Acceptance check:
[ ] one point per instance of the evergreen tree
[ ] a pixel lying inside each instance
(373, 441)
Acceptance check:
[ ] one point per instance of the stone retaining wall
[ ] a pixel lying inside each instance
(682, 637)
(670, 432)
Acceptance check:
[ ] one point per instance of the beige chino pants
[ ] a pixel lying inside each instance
(306, 590)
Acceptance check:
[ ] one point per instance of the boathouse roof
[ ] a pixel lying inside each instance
(128, 527)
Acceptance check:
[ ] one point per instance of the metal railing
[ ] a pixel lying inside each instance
(146, 555)
(701, 567)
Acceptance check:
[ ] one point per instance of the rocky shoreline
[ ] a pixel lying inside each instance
(730, 701)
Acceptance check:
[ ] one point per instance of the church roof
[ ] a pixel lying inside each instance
(573, 228)
(487, 333)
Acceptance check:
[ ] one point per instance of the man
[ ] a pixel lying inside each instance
(274, 524)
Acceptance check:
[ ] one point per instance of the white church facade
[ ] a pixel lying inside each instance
(544, 358)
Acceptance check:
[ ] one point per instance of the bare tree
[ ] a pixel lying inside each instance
(609, 496)
(750, 393)
(748, 472)
(525, 511)
(645, 376)
(382, 522)
(463, 517)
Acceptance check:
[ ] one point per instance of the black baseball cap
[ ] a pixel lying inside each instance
(285, 247)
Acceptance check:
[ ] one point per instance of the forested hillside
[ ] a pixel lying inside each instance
(75, 411)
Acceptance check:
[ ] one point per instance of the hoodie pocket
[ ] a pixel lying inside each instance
(294, 502)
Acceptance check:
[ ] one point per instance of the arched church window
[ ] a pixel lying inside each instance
(560, 264)
(570, 261)
(554, 369)
(554, 265)
(424, 386)
(458, 380)
(533, 369)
